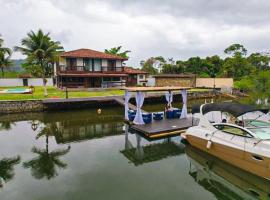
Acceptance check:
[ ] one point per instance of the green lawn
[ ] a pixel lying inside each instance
(56, 93)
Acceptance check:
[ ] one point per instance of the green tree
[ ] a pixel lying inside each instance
(236, 49)
(213, 65)
(194, 65)
(148, 66)
(117, 51)
(41, 52)
(5, 55)
(259, 61)
(261, 85)
(237, 66)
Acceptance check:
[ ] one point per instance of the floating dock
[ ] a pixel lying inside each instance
(164, 128)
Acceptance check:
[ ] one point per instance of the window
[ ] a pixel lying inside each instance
(141, 76)
(97, 65)
(88, 64)
(232, 130)
(116, 78)
(106, 78)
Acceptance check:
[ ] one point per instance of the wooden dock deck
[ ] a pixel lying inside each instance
(165, 127)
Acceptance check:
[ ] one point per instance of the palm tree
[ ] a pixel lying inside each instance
(44, 165)
(41, 52)
(7, 168)
(116, 51)
(5, 54)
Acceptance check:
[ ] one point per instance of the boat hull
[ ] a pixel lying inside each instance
(236, 157)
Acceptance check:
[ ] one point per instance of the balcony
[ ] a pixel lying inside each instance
(82, 70)
(112, 69)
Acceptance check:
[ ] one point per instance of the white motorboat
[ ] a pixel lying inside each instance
(246, 146)
(224, 180)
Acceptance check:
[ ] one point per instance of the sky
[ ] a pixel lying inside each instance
(178, 29)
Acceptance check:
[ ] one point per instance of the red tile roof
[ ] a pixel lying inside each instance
(130, 70)
(89, 53)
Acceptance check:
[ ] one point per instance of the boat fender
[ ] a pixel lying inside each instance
(209, 144)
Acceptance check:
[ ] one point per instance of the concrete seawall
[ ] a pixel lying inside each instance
(20, 106)
(11, 106)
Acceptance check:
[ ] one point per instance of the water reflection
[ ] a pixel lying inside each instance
(6, 125)
(7, 169)
(46, 163)
(224, 180)
(83, 129)
(140, 153)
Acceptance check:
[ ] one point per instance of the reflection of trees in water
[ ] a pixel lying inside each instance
(6, 125)
(46, 163)
(7, 168)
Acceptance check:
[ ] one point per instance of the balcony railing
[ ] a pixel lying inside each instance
(82, 69)
(112, 69)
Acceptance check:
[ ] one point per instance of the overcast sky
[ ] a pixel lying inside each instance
(169, 28)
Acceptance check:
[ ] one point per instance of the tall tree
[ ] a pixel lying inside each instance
(41, 52)
(237, 66)
(148, 66)
(117, 51)
(259, 61)
(5, 54)
(236, 49)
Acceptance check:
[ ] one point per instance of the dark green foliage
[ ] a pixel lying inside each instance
(5, 54)
(237, 65)
(116, 51)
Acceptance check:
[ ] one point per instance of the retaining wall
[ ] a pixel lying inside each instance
(7, 107)
(20, 106)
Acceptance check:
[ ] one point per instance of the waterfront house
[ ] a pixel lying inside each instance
(135, 76)
(86, 68)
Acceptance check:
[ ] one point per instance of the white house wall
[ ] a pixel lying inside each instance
(139, 80)
(11, 82)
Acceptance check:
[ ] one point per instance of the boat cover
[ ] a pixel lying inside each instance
(234, 109)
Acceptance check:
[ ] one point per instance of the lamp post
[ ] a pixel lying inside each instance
(66, 93)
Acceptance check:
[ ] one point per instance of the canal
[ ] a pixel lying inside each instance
(85, 155)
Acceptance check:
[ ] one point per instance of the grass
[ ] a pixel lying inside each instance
(57, 93)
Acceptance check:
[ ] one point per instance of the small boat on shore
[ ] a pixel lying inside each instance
(243, 143)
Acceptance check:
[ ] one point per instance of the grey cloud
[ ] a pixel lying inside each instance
(172, 28)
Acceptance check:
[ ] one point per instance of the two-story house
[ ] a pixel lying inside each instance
(86, 68)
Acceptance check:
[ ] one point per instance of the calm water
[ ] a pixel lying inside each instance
(83, 155)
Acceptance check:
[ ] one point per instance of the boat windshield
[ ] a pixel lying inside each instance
(257, 123)
(261, 133)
